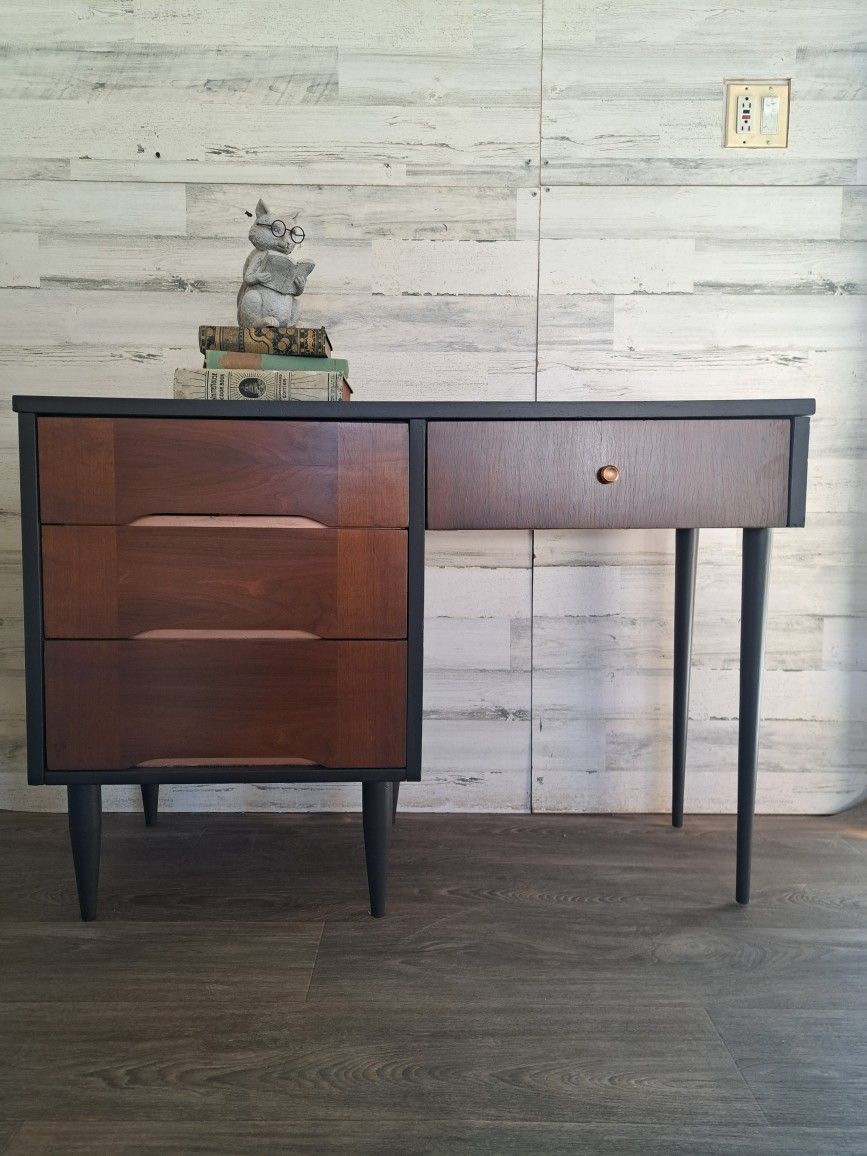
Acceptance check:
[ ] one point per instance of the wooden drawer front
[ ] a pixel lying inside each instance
(543, 474)
(114, 470)
(121, 581)
(113, 705)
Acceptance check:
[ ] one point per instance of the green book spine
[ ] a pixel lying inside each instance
(221, 359)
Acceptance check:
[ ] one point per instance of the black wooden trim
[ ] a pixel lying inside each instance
(227, 775)
(415, 595)
(31, 564)
(798, 447)
(407, 410)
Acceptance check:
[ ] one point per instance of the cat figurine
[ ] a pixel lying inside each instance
(272, 281)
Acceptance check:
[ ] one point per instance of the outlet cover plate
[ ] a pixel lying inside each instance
(758, 90)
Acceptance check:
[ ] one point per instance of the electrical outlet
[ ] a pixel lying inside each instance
(756, 114)
(744, 110)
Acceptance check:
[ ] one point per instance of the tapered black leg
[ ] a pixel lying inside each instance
(686, 553)
(754, 600)
(395, 791)
(376, 802)
(85, 830)
(150, 797)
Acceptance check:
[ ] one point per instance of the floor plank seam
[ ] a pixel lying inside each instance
(743, 1078)
(313, 964)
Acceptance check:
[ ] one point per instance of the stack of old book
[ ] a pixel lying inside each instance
(266, 363)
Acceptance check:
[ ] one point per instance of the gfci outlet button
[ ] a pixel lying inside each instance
(756, 114)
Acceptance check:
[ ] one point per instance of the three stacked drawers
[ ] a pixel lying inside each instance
(223, 592)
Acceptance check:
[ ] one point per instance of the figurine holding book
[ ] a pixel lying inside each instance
(272, 281)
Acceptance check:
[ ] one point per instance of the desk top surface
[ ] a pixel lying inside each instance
(61, 406)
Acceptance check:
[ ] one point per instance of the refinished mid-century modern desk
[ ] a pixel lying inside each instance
(233, 591)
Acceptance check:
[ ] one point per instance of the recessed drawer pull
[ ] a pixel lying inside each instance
(230, 521)
(239, 761)
(607, 474)
(277, 635)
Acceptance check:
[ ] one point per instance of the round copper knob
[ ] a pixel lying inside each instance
(607, 474)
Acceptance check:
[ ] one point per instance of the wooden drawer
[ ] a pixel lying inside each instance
(114, 470)
(114, 705)
(543, 474)
(123, 581)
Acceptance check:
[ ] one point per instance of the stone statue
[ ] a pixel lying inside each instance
(273, 282)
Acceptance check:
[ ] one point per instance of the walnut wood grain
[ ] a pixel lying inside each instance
(543, 474)
(120, 581)
(115, 704)
(114, 470)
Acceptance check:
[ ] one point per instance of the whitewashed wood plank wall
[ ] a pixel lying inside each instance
(506, 199)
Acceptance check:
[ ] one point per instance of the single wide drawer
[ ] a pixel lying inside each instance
(115, 705)
(223, 575)
(114, 470)
(547, 474)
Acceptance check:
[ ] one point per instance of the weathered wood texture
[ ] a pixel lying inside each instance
(117, 704)
(120, 581)
(230, 999)
(422, 139)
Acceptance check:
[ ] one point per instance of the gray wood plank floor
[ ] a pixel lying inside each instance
(541, 984)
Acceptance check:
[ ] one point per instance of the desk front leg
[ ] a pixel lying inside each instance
(150, 797)
(754, 601)
(85, 833)
(686, 553)
(377, 818)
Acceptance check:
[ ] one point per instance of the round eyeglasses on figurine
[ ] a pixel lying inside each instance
(296, 233)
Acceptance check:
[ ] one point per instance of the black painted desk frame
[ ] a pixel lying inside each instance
(380, 787)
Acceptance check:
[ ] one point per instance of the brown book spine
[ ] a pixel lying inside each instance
(280, 340)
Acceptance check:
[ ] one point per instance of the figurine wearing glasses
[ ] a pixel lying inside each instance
(273, 282)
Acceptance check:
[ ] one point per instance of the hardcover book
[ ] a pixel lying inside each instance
(273, 339)
(223, 359)
(252, 385)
